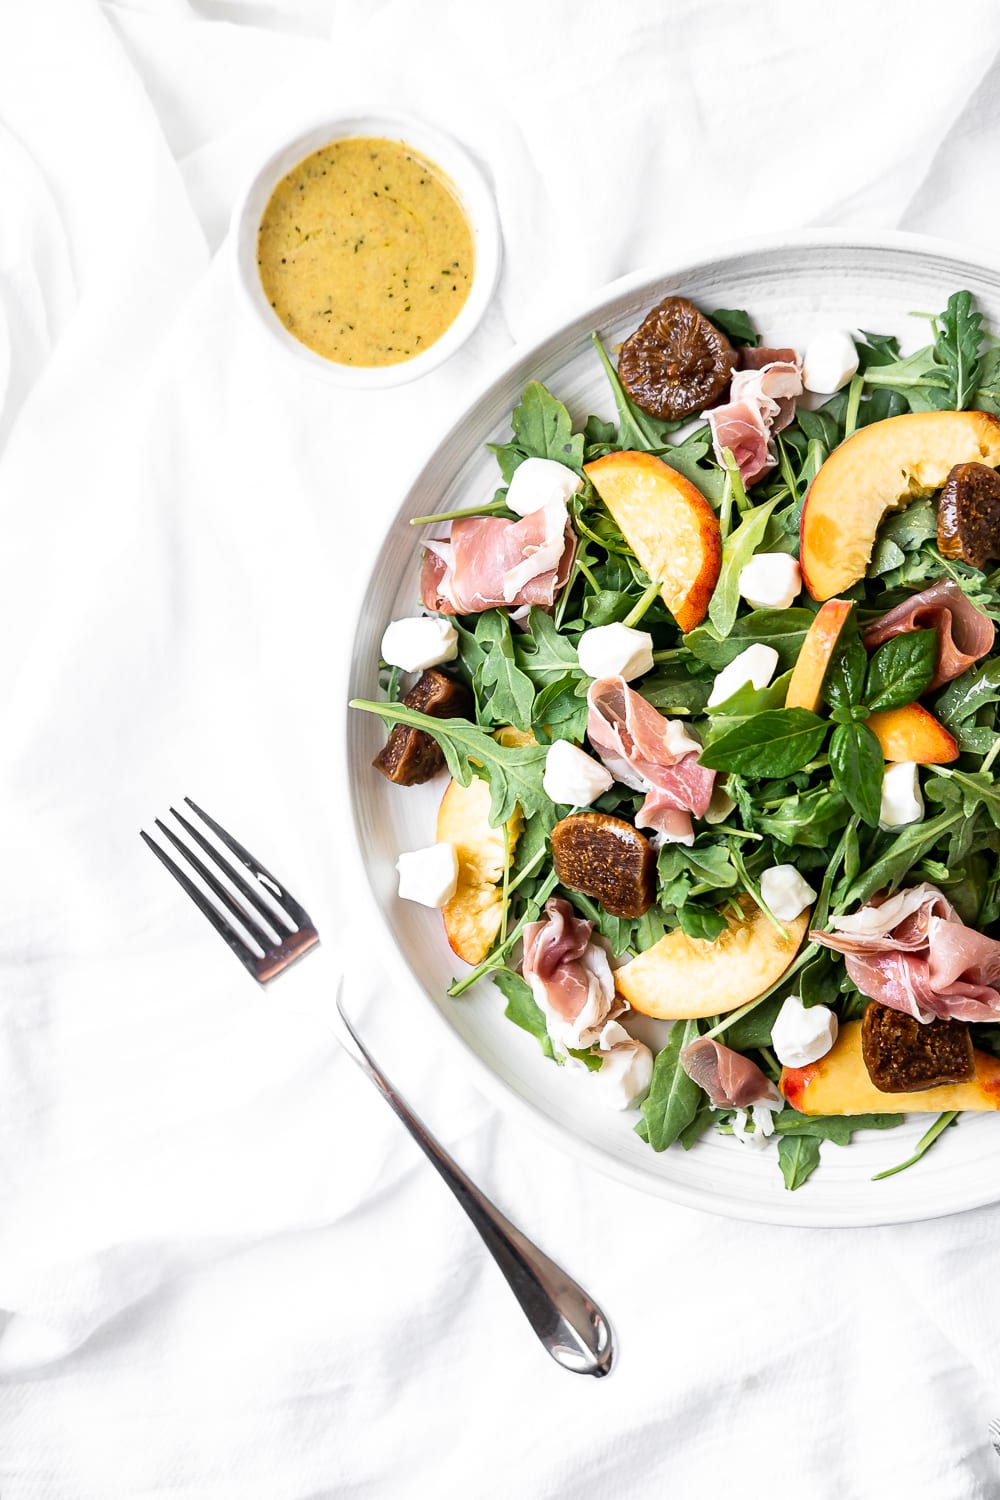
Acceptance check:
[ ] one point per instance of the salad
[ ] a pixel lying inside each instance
(716, 687)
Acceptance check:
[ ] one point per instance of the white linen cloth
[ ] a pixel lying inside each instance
(224, 1270)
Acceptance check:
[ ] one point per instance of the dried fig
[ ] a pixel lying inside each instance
(608, 859)
(968, 524)
(410, 756)
(904, 1055)
(676, 362)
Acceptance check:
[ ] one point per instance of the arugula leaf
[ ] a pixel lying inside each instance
(674, 1098)
(965, 695)
(636, 428)
(522, 1007)
(798, 1158)
(736, 325)
(918, 378)
(542, 428)
(687, 458)
(926, 1141)
(784, 629)
(701, 922)
(775, 743)
(900, 669)
(514, 772)
(807, 818)
(509, 694)
(676, 692)
(898, 855)
(737, 550)
(957, 348)
(836, 1128)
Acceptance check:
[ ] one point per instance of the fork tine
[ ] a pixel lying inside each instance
(244, 953)
(270, 915)
(297, 913)
(218, 889)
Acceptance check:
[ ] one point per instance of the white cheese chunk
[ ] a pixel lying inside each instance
(572, 776)
(419, 642)
(538, 482)
(902, 799)
(755, 665)
(785, 892)
(830, 361)
(771, 580)
(615, 651)
(626, 1069)
(429, 875)
(802, 1034)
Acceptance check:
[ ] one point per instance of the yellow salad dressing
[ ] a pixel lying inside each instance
(365, 252)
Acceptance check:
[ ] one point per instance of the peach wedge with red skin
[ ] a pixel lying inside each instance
(838, 1084)
(911, 733)
(806, 683)
(882, 467)
(669, 525)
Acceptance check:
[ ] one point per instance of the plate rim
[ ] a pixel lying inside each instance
(793, 1214)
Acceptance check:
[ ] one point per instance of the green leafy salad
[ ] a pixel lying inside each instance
(800, 776)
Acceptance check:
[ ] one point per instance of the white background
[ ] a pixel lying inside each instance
(224, 1270)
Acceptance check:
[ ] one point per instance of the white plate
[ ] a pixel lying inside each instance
(789, 288)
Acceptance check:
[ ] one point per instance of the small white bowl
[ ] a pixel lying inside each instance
(474, 194)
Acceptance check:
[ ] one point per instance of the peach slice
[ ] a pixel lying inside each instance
(669, 525)
(911, 733)
(880, 468)
(681, 977)
(838, 1084)
(806, 682)
(472, 916)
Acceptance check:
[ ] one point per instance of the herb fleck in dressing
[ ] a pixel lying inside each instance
(365, 252)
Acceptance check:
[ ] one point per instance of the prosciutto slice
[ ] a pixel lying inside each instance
(651, 754)
(569, 975)
(487, 562)
(964, 632)
(913, 953)
(761, 403)
(730, 1080)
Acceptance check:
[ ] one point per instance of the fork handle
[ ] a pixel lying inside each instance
(567, 1321)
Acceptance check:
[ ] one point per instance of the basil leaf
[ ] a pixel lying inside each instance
(844, 682)
(674, 1098)
(774, 743)
(522, 1008)
(900, 669)
(857, 766)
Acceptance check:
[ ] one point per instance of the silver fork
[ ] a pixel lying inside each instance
(995, 1434)
(568, 1322)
